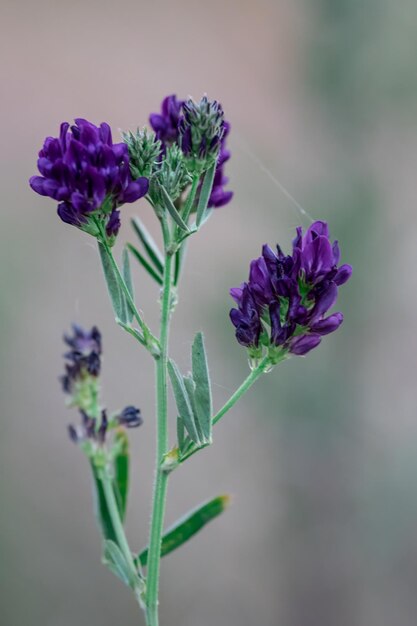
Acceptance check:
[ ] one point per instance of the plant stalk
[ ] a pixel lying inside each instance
(161, 477)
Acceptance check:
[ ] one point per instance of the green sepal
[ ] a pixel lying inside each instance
(183, 402)
(202, 392)
(114, 559)
(116, 296)
(145, 264)
(100, 506)
(188, 526)
(149, 244)
(170, 207)
(121, 471)
(205, 192)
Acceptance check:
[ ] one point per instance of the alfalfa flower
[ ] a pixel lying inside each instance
(199, 128)
(284, 305)
(89, 176)
(81, 383)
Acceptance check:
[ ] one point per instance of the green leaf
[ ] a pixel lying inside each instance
(202, 393)
(190, 388)
(116, 296)
(121, 471)
(205, 192)
(183, 402)
(149, 244)
(100, 507)
(169, 205)
(127, 277)
(147, 266)
(116, 562)
(181, 433)
(188, 526)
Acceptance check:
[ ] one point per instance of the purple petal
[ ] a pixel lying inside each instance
(317, 257)
(38, 184)
(219, 198)
(135, 190)
(343, 274)
(336, 252)
(157, 122)
(324, 302)
(317, 229)
(303, 344)
(328, 325)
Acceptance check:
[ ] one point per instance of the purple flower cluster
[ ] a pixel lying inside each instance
(284, 303)
(83, 359)
(88, 175)
(173, 125)
(80, 381)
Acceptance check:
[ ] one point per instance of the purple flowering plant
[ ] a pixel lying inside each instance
(284, 308)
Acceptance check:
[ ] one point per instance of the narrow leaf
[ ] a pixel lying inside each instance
(116, 562)
(205, 192)
(116, 296)
(190, 388)
(145, 264)
(127, 277)
(169, 205)
(100, 507)
(202, 394)
(182, 400)
(188, 526)
(180, 433)
(149, 244)
(121, 471)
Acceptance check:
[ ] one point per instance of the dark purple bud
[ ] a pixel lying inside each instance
(130, 417)
(113, 224)
(102, 430)
(73, 434)
(304, 343)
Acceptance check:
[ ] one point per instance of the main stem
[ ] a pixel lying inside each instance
(161, 477)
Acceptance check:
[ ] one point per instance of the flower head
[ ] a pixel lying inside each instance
(199, 127)
(88, 175)
(81, 383)
(283, 306)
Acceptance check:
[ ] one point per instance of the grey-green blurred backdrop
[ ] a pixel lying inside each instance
(321, 458)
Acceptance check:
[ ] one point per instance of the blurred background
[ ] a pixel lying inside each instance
(321, 457)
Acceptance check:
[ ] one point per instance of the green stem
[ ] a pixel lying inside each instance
(161, 477)
(117, 522)
(240, 391)
(247, 384)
